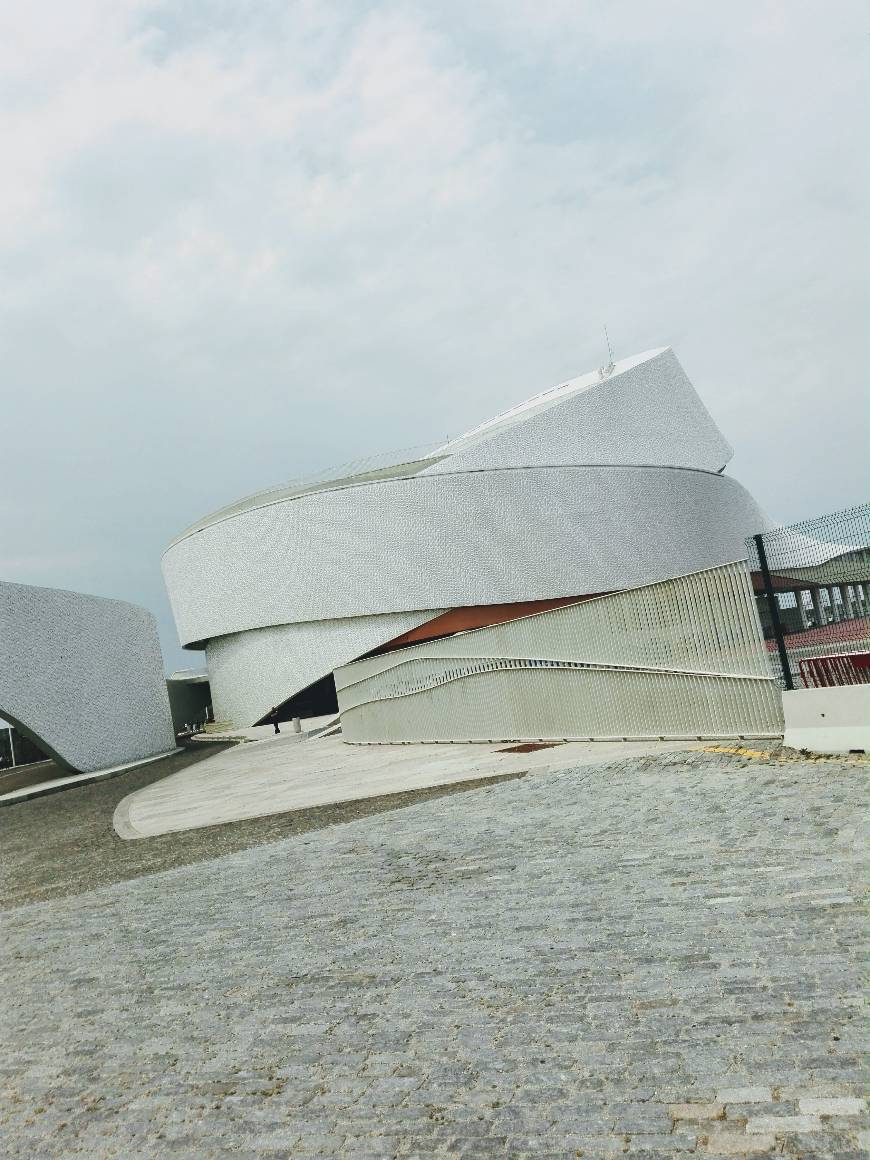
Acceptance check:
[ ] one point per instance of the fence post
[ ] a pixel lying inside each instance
(773, 605)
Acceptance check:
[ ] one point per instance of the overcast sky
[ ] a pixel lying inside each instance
(241, 242)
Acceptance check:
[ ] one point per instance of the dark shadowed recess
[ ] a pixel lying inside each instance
(316, 700)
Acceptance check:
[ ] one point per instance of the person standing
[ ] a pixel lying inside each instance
(273, 717)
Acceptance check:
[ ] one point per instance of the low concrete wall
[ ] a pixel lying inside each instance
(828, 720)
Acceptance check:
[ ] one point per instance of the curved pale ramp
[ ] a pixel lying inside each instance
(82, 676)
(278, 776)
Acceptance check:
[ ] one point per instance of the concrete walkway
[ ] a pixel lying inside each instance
(280, 774)
(308, 725)
(50, 778)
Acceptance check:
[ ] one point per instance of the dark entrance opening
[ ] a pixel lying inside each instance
(315, 701)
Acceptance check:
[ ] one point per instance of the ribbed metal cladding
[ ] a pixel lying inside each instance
(680, 658)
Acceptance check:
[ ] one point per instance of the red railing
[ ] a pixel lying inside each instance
(843, 669)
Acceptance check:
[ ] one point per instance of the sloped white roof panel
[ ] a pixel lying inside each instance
(645, 412)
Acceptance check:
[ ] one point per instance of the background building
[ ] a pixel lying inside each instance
(609, 481)
(189, 699)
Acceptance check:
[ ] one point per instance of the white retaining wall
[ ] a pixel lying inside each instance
(828, 720)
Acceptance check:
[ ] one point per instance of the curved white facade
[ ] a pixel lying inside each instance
(83, 677)
(607, 482)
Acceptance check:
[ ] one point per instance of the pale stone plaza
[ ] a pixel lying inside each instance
(660, 956)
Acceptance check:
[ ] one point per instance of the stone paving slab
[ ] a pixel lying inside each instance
(657, 958)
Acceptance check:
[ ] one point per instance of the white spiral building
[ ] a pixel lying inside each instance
(606, 482)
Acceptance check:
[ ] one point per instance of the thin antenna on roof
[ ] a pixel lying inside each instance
(603, 372)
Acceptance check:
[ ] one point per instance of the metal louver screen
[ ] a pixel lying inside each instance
(680, 658)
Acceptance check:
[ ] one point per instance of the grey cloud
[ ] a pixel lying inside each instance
(253, 247)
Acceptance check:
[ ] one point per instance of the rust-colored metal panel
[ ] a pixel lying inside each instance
(477, 616)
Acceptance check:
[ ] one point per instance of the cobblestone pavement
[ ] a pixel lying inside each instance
(656, 959)
(57, 846)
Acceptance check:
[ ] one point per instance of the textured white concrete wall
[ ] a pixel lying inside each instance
(682, 658)
(249, 672)
(83, 676)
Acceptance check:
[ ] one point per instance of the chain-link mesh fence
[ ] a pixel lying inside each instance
(812, 582)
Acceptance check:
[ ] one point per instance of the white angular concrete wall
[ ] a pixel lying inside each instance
(597, 485)
(83, 677)
(682, 658)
